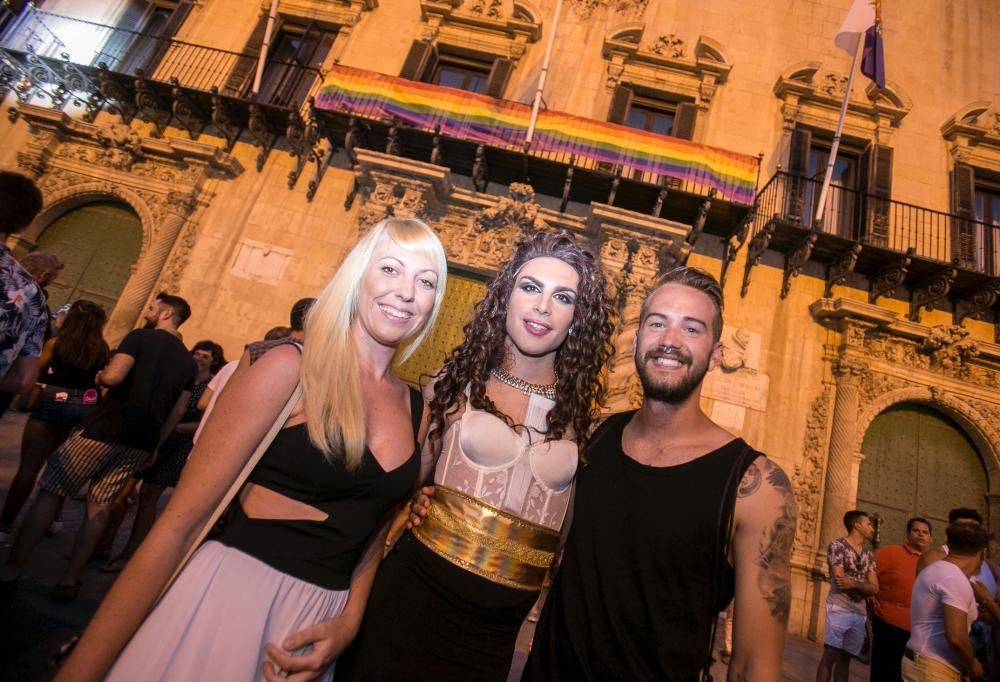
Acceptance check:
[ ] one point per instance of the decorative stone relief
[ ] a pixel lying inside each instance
(518, 209)
(807, 477)
(487, 8)
(170, 280)
(585, 8)
(669, 45)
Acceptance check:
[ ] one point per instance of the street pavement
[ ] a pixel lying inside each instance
(33, 627)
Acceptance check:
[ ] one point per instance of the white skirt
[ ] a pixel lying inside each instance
(214, 621)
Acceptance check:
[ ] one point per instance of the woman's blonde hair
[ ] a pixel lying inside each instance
(331, 382)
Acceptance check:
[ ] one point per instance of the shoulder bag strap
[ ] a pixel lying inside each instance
(224, 503)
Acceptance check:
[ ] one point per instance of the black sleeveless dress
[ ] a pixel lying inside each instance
(644, 571)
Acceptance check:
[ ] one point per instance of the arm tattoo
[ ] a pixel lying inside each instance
(750, 482)
(774, 578)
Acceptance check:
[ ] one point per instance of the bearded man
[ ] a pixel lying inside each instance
(672, 516)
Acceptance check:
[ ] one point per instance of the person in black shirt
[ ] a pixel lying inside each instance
(666, 497)
(150, 378)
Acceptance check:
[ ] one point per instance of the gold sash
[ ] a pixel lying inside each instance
(487, 541)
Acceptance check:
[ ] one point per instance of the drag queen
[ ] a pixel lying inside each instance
(510, 408)
(301, 544)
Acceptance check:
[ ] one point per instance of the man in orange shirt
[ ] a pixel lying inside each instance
(896, 568)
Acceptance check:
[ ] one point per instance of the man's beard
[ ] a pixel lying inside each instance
(672, 394)
(150, 324)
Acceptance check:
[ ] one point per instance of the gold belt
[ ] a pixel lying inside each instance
(487, 541)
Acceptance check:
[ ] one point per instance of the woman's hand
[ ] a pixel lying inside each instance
(419, 505)
(327, 640)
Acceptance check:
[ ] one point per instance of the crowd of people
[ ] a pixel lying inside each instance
(917, 613)
(282, 551)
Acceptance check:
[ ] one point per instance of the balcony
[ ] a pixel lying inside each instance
(321, 118)
(935, 256)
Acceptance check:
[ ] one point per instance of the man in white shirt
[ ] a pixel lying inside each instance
(943, 608)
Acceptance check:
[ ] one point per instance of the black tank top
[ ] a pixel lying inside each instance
(633, 596)
(323, 553)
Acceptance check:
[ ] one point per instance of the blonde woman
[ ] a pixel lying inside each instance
(302, 544)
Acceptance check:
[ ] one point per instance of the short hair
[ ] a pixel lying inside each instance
(38, 262)
(180, 307)
(277, 333)
(966, 538)
(218, 355)
(918, 519)
(21, 200)
(852, 517)
(297, 318)
(695, 278)
(964, 513)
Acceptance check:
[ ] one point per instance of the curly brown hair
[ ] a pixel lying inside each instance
(579, 362)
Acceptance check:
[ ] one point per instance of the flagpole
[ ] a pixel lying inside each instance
(545, 70)
(828, 176)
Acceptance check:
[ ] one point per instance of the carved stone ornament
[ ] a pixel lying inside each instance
(585, 8)
(949, 347)
(518, 209)
(834, 85)
(487, 8)
(735, 351)
(122, 145)
(807, 476)
(669, 45)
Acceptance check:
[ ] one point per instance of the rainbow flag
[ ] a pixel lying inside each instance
(502, 124)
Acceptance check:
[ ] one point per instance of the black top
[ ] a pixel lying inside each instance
(133, 412)
(323, 553)
(68, 376)
(633, 596)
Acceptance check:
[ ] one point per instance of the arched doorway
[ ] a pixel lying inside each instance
(99, 242)
(918, 462)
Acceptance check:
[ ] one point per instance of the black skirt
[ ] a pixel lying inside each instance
(428, 619)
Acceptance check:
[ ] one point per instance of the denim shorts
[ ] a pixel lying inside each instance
(64, 407)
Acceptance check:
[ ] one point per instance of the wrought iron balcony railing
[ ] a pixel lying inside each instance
(56, 38)
(880, 222)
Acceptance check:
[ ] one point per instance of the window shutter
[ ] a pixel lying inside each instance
(798, 151)
(177, 18)
(621, 101)
(798, 166)
(241, 77)
(420, 61)
(876, 184)
(684, 121)
(963, 239)
(499, 75)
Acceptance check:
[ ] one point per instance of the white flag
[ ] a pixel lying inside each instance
(859, 19)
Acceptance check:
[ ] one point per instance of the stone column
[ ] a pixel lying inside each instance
(841, 456)
(176, 210)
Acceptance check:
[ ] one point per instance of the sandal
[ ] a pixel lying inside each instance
(115, 565)
(65, 593)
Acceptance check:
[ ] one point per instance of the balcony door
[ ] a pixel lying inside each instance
(839, 209)
(987, 197)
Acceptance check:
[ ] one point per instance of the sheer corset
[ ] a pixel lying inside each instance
(517, 472)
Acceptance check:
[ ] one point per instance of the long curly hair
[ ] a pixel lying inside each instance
(579, 362)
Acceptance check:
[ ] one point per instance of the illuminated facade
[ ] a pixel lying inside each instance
(861, 349)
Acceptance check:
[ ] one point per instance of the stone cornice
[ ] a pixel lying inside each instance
(172, 150)
(827, 310)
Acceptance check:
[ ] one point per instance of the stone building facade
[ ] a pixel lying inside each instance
(844, 337)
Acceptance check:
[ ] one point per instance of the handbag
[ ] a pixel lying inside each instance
(224, 503)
